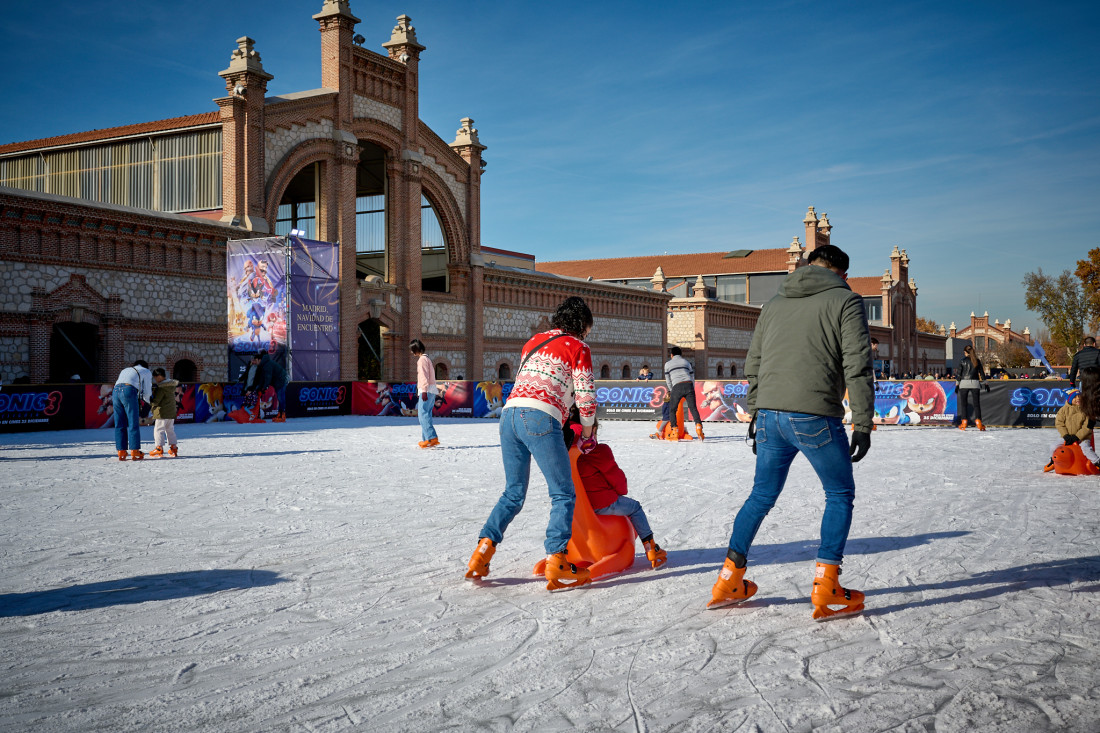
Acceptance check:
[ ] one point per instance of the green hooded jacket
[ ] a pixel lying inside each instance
(810, 343)
(164, 400)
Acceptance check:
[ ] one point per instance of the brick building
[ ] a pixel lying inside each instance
(112, 241)
(717, 297)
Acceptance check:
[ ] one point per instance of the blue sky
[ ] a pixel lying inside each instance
(965, 133)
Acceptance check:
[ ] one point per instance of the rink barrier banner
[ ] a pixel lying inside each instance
(318, 399)
(255, 275)
(314, 314)
(27, 407)
(1008, 403)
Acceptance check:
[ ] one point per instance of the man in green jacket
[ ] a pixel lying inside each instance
(810, 344)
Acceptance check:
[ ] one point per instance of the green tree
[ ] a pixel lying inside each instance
(1062, 305)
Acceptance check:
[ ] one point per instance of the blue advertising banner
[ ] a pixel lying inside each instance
(316, 399)
(255, 273)
(314, 310)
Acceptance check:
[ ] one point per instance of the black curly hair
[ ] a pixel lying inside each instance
(573, 316)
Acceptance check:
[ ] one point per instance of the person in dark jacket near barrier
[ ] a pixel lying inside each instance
(270, 374)
(1088, 356)
(810, 344)
(970, 375)
(680, 379)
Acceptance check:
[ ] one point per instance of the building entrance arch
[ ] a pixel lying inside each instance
(371, 355)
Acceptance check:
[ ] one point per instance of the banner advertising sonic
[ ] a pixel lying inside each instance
(718, 401)
(255, 272)
(919, 402)
(489, 398)
(384, 398)
(1030, 404)
(41, 407)
(316, 399)
(314, 310)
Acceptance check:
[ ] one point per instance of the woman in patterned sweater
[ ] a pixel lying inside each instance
(555, 372)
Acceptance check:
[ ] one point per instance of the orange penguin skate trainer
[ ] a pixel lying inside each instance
(479, 561)
(731, 586)
(828, 592)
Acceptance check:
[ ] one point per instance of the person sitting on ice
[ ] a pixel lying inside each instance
(605, 484)
(1076, 419)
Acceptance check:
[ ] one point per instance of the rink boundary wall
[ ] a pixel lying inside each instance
(1008, 403)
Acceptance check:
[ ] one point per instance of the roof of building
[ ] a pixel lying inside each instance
(866, 286)
(674, 265)
(142, 128)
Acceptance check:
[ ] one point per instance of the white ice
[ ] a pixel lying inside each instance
(308, 576)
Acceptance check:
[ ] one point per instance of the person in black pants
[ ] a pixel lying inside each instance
(1088, 356)
(970, 374)
(680, 378)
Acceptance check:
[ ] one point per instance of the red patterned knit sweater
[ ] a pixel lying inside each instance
(555, 377)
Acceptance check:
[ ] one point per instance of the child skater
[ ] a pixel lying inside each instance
(426, 388)
(605, 484)
(164, 413)
(1076, 419)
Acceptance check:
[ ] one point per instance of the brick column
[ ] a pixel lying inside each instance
(342, 199)
(337, 26)
(39, 327)
(242, 116)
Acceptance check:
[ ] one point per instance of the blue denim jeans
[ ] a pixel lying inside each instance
(125, 400)
(525, 433)
(424, 409)
(624, 506)
(780, 436)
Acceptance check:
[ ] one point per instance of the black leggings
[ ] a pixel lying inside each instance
(964, 395)
(683, 391)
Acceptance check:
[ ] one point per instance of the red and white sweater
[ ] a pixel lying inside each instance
(555, 377)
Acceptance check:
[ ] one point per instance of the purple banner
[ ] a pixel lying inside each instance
(255, 272)
(314, 310)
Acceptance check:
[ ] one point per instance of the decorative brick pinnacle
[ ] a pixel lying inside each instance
(245, 60)
(699, 290)
(811, 217)
(403, 36)
(336, 10)
(795, 248)
(467, 135)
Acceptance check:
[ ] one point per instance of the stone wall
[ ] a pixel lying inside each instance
(453, 184)
(512, 323)
(728, 338)
(443, 318)
(15, 358)
(625, 331)
(369, 108)
(455, 361)
(144, 296)
(212, 359)
(492, 359)
(280, 142)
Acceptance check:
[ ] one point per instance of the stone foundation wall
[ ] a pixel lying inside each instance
(443, 318)
(15, 358)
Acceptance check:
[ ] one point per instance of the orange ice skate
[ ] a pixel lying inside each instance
(173, 450)
(122, 456)
(156, 452)
(564, 575)
(828, 592)
(479, 561)
(731, 586)
(656, 556)
(136, 455)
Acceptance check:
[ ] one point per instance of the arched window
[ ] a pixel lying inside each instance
(298, 207)
(185, 371)
(433, 252)
(74, 351)
(626, 371)
(441, 371)
(504, 371)
(605, 372)
(719, 371)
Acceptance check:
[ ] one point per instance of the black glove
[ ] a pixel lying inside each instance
(861, 443)
(1071, 439)
(752, 433)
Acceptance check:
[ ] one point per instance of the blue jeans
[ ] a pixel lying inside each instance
(624, 506)
(424, 412)
(525, 433)
(127, 436)
(779, 437)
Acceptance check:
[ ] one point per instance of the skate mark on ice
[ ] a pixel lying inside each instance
(639, 722)
(750, 656)
(186, 675)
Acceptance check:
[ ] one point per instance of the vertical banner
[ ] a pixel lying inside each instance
(314, 310)
(255, 274)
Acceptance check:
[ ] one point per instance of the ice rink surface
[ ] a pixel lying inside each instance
(309, 576)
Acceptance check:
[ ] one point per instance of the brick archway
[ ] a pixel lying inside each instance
(311, 151)
(446, 207)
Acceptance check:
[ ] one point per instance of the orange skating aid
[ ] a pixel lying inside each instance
(731, 586)
(479, 561)
(828, 593)
(564, 575)
(602, 544)
(1068, 460)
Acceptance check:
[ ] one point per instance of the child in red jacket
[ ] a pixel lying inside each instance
(605, 484)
